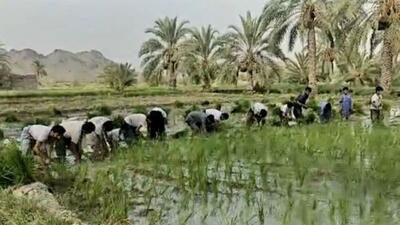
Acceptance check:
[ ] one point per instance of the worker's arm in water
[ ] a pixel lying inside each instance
(40, 150)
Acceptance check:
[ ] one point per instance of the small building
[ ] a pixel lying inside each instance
(18, 82)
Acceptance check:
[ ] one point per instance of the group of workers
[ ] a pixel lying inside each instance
(104, 137)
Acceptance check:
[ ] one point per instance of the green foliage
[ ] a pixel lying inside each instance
(15, 168)
(119, 76)
(140, 109)
(101, 110)
(11, 118)
(164, 50)
(358, 108)
(241, 106)
(118, 120)
(102, 199)
(37, 120)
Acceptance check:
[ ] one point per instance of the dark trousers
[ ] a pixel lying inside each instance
(376, 115)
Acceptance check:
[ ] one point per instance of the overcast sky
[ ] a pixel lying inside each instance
(115, 27)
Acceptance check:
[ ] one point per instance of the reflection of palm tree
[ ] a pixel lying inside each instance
(163, 52)
(39, 69)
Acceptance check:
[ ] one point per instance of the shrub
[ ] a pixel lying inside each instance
(1, 134)
(309, 118)
(11, 118)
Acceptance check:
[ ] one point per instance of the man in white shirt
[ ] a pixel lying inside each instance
(376, 105)
(218, 115)
(287, 113)
(76, 130)
(156, 123)
(100, 142)
(40, 139)
(257, 114)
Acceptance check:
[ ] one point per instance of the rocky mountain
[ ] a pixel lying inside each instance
(61, 65)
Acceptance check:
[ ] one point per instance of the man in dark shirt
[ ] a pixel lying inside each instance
(300, 103)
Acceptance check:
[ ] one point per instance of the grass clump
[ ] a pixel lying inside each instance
(101, 199)
(21, 211)
(102, 110)
(15, 168)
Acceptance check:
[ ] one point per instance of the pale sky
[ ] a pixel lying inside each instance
(115, 27)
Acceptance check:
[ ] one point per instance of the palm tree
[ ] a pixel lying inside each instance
(163, 52)
(39, 69)
(299, 19)
(202, 52)
(297, 70)
(360, 69)
(119, 76)
(386, 14)
(251, 47)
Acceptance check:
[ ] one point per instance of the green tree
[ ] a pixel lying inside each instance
(251, 47)
(297, 69)
(119, 76)
(299, 19)
(385, 16)
(163, 52)
(202, 54)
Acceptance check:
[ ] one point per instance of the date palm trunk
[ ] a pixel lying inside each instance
(386, 62)
(312, 51)
(172, 75)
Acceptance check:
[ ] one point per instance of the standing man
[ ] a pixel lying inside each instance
(346, 104)
(376, 105)
(76, 130)
(257, 114)
(156, 121)
(40, 139)
(300, 103)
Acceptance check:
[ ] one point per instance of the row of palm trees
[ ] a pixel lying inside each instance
(335, 41)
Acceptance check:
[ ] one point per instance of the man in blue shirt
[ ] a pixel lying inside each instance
(346, 104)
